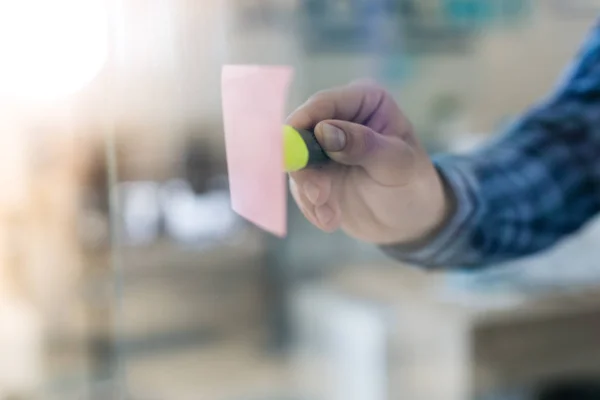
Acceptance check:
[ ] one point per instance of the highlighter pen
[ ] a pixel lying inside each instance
(301, 149)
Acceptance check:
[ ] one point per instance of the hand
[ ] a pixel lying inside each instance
(382, 187)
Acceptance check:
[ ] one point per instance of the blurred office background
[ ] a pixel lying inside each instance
(125, 275)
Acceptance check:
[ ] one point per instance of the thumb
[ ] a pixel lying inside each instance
(387, 159)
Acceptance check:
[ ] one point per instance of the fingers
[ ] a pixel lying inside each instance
(387, 159)
(315, 184)
(325, 216)
(358, 125)
(362, 102)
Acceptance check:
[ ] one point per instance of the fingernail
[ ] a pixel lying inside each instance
(334, 139)
(324, 214)
(312, 191)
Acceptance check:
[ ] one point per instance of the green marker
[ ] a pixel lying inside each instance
(301, 149)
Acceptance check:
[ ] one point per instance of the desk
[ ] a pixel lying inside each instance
(447, 350)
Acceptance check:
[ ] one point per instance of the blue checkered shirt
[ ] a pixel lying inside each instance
(532, 186)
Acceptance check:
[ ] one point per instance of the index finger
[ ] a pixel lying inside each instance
(355, 102)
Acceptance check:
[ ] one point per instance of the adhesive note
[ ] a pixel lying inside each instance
(254, 99)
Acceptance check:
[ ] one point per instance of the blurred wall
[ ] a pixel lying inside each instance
(170, 54)
(517, 67)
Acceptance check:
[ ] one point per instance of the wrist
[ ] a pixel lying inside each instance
(441, 216)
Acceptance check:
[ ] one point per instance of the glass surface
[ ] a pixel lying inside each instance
(125, 274)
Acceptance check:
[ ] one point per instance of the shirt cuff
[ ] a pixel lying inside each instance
(451, 246)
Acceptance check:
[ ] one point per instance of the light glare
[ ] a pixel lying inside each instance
(50, 49)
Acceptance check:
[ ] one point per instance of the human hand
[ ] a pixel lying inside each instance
(382, 187)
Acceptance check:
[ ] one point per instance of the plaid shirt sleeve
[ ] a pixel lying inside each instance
(532, 186)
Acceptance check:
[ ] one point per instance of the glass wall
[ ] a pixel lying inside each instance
(126, 275)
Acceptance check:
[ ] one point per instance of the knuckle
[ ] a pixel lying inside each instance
(370, 85)
(319, 97)
(321, 105)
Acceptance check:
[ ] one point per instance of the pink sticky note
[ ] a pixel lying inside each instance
(254, 99)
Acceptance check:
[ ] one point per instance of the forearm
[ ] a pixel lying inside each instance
(535, 185)
(521, 195)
